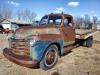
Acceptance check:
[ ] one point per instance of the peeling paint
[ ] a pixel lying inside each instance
(28, 32)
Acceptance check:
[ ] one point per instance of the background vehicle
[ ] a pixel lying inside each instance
(42, 45)
(11, 25)
(1, 29)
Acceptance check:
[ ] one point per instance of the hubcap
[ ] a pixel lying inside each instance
(50, 57)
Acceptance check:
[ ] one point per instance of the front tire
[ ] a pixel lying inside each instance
(50, 58)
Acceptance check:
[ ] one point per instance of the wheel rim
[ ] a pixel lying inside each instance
(50, 57)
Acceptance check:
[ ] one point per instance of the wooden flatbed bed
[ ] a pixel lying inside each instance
(84, 33)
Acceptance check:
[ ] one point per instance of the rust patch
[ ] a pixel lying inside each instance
(51, 37)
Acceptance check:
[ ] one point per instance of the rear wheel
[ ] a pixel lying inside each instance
(87, 42)
(50, 58)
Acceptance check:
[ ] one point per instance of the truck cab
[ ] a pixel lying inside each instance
(42, 45)
(64, 23)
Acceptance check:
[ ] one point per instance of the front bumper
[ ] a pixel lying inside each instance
(20, 59)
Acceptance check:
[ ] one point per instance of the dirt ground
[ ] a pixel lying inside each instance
(81, 61)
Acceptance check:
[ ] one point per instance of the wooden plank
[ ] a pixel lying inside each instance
(85, 36)
(82, 31)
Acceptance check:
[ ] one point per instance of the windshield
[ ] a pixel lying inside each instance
(54, 19)
(44, 20)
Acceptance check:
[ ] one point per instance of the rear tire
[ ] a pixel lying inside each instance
(50, 58)
(87, 42)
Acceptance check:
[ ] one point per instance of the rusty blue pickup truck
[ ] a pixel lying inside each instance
(42, 45)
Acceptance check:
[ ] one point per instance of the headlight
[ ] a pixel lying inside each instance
(32, 42)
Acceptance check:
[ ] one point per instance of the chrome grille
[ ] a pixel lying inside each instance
(20, 46)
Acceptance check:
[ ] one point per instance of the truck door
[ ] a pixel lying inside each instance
(68, 31)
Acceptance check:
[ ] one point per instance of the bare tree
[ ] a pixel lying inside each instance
(19, 15)
(95, 19)
(32, 16)
(87, 21)
(0, 17)
(26, 15)
(79, 22)
(84, 22)
(5, 12)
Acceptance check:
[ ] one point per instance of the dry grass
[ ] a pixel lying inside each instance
(81, 61)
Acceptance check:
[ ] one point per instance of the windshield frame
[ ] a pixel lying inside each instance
(42, 19)
(48, 16)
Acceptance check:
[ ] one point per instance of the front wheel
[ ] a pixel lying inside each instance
(50, 58)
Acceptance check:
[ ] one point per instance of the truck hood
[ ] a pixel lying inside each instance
(36, 30)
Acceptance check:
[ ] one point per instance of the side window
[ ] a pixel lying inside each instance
(58, 21)
(55, 20)
(1, 27)
(50, 21)
(67, 21)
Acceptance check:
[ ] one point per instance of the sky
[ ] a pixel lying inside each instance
(42, 7)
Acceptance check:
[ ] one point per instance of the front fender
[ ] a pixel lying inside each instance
(37, 51)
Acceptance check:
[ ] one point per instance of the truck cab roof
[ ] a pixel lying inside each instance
(59, 14)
